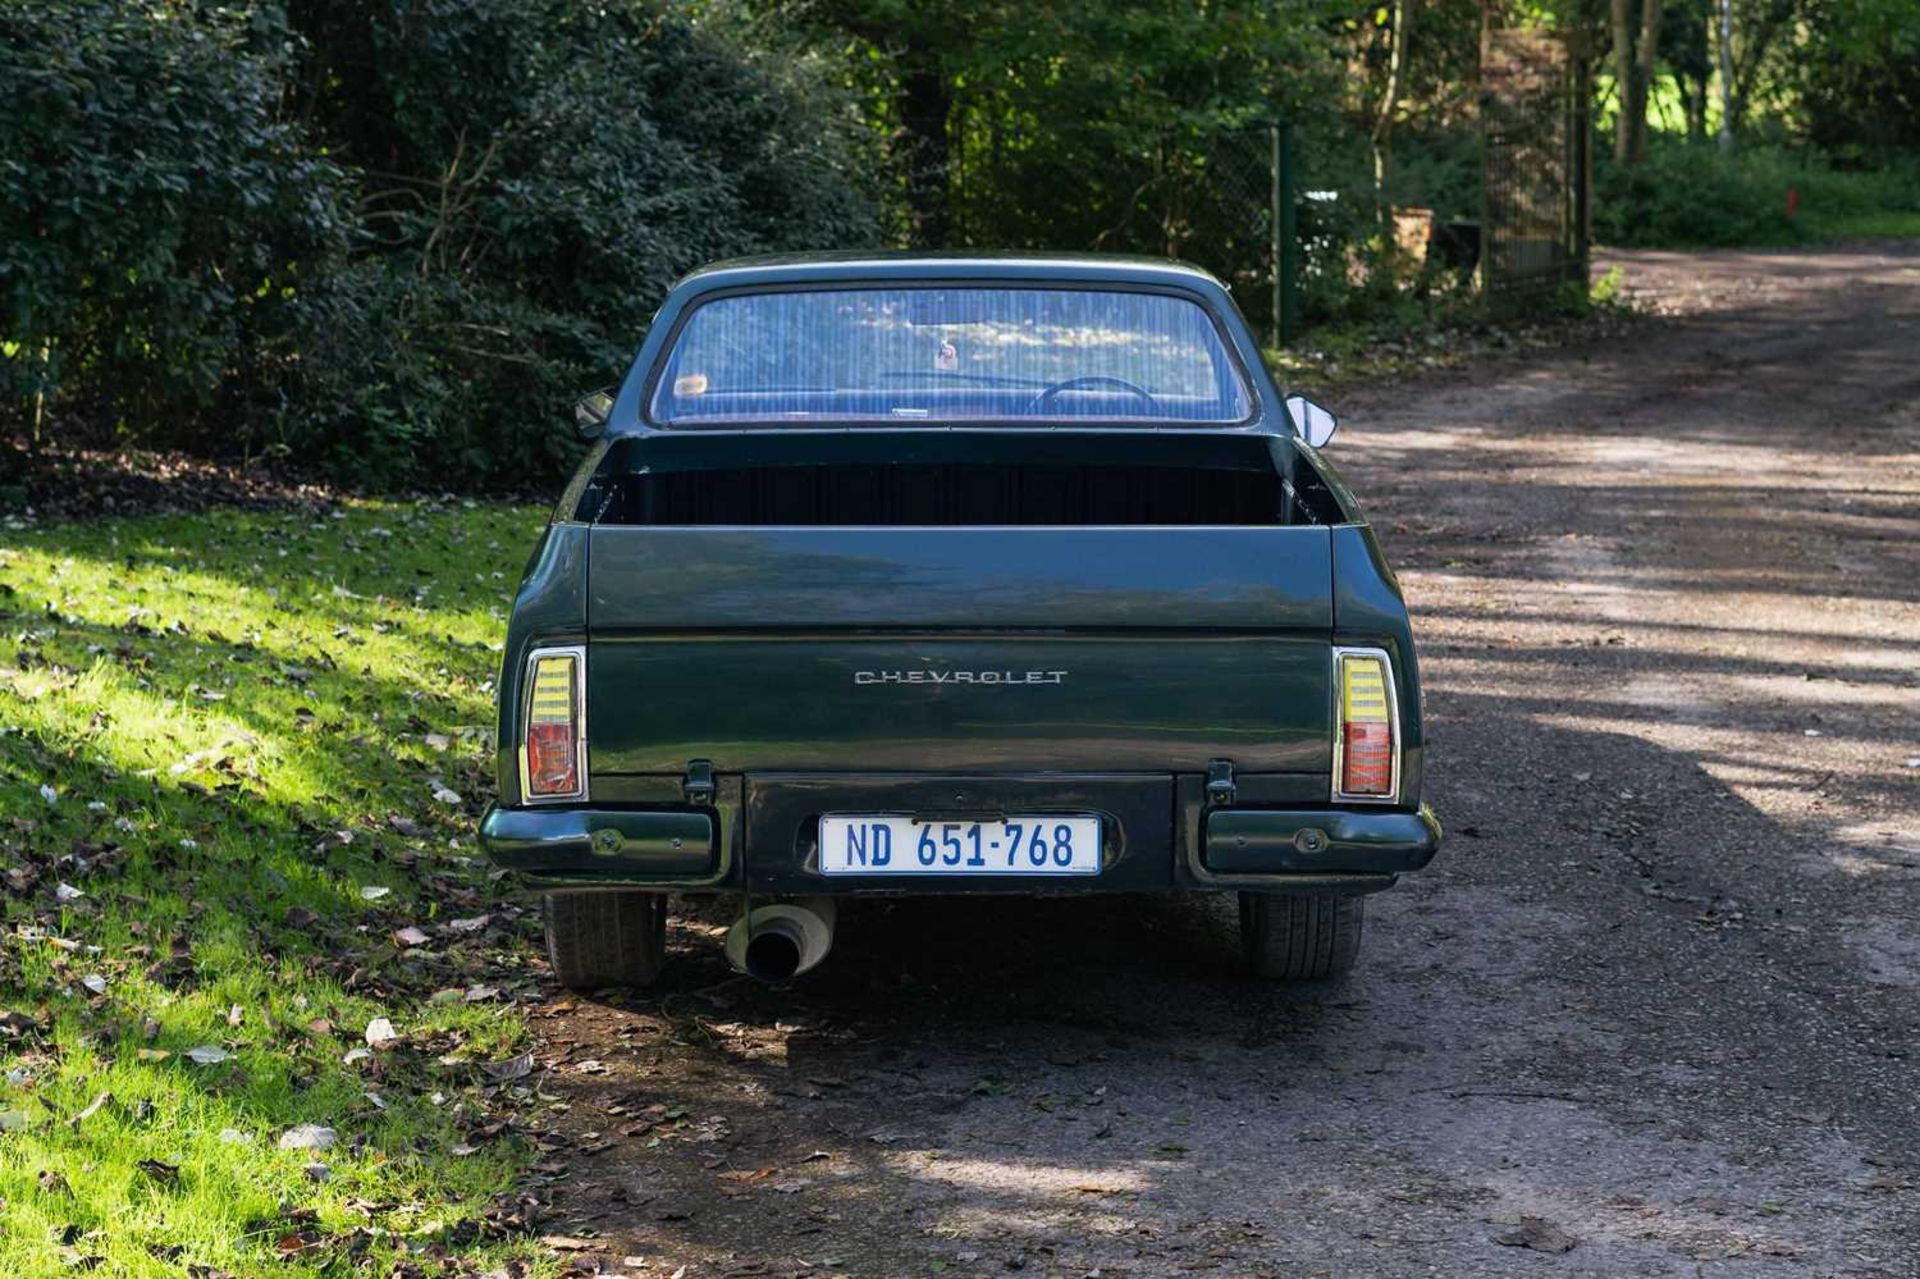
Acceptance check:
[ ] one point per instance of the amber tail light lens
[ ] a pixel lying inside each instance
(551, 749)
(1368, 736)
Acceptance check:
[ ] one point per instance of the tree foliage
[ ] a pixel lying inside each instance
(392, 238)
(157, 213)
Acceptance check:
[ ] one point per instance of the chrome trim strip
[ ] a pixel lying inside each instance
(579, 654)
(1338, 796)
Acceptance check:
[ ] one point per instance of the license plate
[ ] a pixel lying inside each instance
(883, 844)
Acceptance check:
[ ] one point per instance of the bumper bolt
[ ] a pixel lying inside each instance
(607, 841)
(1311, 840)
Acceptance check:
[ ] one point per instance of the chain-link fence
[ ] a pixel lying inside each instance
(1228, 205)
(1223, 200)
(1296, 226)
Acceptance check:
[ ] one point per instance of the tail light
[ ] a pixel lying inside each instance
(1366, 752)
(553, 748)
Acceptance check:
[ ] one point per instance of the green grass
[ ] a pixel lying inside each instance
(1883, 224)
(229, 733)
(1695, 195)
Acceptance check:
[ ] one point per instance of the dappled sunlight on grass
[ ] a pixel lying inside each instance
(240, 759)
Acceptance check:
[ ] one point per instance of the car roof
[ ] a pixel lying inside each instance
(869, 267)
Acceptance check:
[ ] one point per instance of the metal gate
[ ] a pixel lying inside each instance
(1537, 166)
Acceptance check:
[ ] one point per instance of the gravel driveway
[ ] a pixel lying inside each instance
(1655, 1010)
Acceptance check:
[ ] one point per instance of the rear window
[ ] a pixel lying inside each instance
(949, 354)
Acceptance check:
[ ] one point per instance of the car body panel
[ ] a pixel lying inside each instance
(1031, 701)
(1269, 580)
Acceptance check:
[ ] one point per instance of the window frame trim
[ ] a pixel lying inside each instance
(1249, 387)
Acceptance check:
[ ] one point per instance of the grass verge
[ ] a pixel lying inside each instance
(241, 755)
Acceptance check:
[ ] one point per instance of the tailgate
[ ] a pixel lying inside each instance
(916, 648)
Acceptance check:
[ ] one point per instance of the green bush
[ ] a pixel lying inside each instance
(1698, 195)
(390, 240)
(157, 214)
(568, 165)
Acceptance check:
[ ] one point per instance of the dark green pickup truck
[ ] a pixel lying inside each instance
(953, 575)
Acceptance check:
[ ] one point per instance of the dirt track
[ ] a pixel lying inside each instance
(1661, 990)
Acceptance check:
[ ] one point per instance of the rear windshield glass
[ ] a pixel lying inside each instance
(973, 354)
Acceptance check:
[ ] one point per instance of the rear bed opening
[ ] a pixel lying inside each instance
(936, 478)
(957, 601)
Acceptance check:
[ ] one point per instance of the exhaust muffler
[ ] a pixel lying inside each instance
(781, 939)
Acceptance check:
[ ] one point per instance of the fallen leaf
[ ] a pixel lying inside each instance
(93, 1108)
(410, 936)
(160, 1171)
(374, 892)
(380, 1033)
(512, 1068)
(208, 1055)
(742, 1175)
(308, 1137)
(1538, 1234)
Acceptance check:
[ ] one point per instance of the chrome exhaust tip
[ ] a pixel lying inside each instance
(781, 939)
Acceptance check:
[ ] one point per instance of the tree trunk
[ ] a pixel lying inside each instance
(1636, 48)
(1726, 75)
(1647, 56)
(1389, 99)
(1623, 74)
(1693, 92)
(926, 102)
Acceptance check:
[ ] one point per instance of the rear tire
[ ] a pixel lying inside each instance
(1300, 936)
(606, 938)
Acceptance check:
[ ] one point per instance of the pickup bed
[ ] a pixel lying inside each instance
(992, 637)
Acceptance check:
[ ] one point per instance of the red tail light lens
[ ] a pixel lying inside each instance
(550, 752)
(1367, 767)
(552, 763)
(1368, 733)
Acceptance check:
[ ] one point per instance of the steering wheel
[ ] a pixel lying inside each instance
(1046, 397)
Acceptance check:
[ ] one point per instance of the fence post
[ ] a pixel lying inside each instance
(1285, 232)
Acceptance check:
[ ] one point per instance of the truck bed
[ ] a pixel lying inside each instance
(1144, 601)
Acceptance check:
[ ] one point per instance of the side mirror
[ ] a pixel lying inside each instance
(1311, 422)
(591, 411)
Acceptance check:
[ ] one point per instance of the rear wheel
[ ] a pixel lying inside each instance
(606, 938)
(1300, 936)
